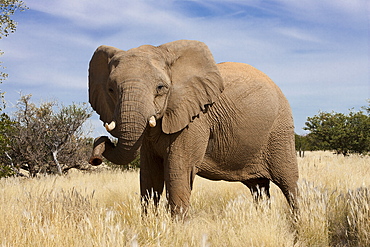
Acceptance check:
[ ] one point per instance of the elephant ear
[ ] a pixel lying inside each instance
(99, 71)
(196, 83)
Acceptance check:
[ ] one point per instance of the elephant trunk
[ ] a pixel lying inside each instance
(132, 115)
(119, 154)
(98, 149)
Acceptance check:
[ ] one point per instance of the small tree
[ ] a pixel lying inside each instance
(6, 165)
(340, 132)
(358, 131)
(367, 108)
(301, 144)
(7, 24)
(47, 138)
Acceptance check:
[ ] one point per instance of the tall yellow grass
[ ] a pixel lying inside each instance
(103, 209)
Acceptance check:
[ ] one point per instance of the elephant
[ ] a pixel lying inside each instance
(186, 115)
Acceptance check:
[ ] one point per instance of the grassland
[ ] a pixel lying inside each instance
(103, 209)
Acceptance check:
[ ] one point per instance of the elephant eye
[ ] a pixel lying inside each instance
(161, 88)
(111, 90)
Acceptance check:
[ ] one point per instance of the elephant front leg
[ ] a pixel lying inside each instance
(185, 152)
(151, 178)
(179, 183)
(151, 185)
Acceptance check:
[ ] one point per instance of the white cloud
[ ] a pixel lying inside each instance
(299, 34)
(97, 14)
(328, 10)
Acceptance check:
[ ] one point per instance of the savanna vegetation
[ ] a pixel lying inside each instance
(48, 138)
(103, 209)
(338, 132)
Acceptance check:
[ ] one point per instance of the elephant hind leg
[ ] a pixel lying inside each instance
(290, 191)
(259, 187)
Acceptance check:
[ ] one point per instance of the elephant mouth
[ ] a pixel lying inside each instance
(133, 113)
(112, 125)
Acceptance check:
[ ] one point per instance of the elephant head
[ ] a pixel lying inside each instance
(131, 90)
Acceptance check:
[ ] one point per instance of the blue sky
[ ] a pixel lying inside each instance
(316, 51)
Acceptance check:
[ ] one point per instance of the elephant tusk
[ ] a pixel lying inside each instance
(111, 126)
(152, 122)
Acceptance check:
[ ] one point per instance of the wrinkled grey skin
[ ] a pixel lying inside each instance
(225, 121)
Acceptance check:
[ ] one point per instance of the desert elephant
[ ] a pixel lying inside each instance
(187, 116)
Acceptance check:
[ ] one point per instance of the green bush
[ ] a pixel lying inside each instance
(344, 133)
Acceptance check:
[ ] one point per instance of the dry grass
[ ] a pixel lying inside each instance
(103, 209)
